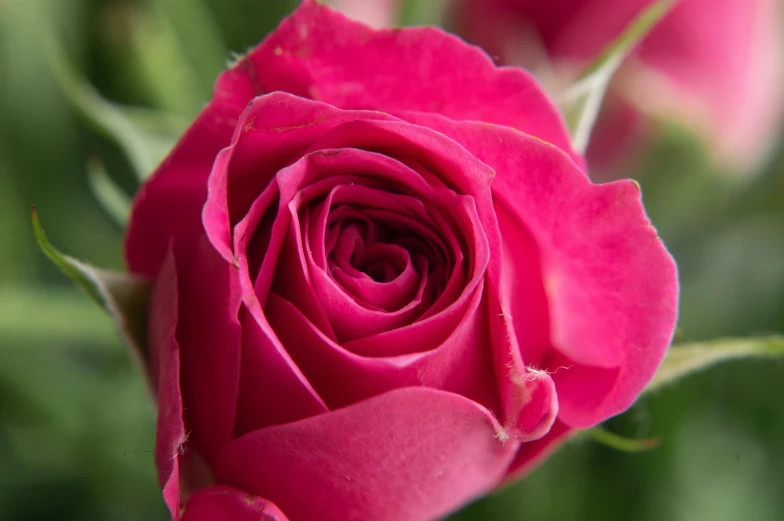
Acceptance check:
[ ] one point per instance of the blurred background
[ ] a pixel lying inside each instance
(76, 425)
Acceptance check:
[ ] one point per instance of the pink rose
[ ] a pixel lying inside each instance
(715, 65)
(384, 284)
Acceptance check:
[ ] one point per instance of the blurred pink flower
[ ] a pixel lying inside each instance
(375, 13)
(714, 65)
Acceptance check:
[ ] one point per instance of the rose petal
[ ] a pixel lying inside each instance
(272, 388)
(277, 128)
(533, 453)
(576, 30)
(165, 368)
(365, 131)
(321, 54)
(348, 318)
(170, 202)
(210, 336)
(522, 292)
(222, 503)
(461, 363)
(611, 285)
(684, 69)
(272, 132)
(415, 454)
(528, 396)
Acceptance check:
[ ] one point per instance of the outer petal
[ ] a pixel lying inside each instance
(273, 390)
(413, 454)
(210, 336)
(223, 503)
(169, 204)
(528, 396)
(610, 283)
(460, 364)
(533, 453)
(273, 132)
(318, 53)
(321, 54)
(165, 360)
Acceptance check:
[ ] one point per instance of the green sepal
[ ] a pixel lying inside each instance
(124, 296)
(615, 441)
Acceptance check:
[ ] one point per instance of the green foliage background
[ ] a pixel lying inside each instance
(76, 428)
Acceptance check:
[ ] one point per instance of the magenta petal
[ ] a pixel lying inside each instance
(272, 388)
(534, 452)
(398, 285)
(165, 367)
(165, 207)
(273, 131)
(210, 344)
(528, 396)
(215, 213)
(321, 54)
(460, 364)
(222, 503)
(169, 204)
(569, 29)
(522, 275)
(413, 454)
(611, 286)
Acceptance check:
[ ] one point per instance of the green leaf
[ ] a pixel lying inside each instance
(144, 135)
(685, 359)
(125, 297)
(583, 99)
(179, 54)
(111, 197)
(417, 12)
(198, 37)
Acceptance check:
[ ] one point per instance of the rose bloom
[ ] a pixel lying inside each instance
(384, 284)
(713, 65)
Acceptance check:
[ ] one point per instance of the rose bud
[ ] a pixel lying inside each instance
(384, 284)
(714, 65)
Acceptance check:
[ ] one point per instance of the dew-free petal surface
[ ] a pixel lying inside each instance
(165, 361)
(533, 453)
(611, 286)
(222, 503)
(211, 339)
(321, 54)
(415, 454)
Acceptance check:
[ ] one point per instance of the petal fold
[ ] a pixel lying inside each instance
(222, 503)
(319, 53)
(413, 454)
